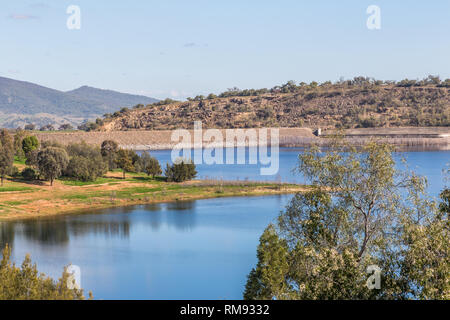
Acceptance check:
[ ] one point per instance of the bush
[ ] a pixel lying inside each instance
(27, 283)
(29, 144)
(181, 170)
(29, 174)
(86, 162)
(109, 150)
(148, 164)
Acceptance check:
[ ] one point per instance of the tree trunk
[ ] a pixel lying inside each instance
(51, 182)
(2, 180)
(124, 174)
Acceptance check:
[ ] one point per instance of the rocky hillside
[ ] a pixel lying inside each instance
(23, 102)
(346, 105)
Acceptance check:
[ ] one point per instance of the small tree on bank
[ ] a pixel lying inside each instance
(149, 164)
(109, 150)
(6, 154)
(124, 160)
(52, 161)
(181, 170)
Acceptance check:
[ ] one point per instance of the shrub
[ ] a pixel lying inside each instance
(52, 161)
(86, 162)
(29, 174)
(181, 170)
(29, 144)
(149, 165)
(109, 150)
(26, 283)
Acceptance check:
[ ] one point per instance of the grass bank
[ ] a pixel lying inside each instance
(21, 199)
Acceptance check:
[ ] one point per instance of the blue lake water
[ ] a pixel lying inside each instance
(186, 250)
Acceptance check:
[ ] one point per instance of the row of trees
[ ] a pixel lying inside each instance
(80, 161)
(361, 214)
(48, 127)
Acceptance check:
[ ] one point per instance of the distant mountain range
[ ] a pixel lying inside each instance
(24, 102)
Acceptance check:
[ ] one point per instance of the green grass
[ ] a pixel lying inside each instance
(14, 188)
(18, 160)
(16, 203)
(71, 182)
(133, 178)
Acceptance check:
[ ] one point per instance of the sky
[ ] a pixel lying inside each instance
(179, 48)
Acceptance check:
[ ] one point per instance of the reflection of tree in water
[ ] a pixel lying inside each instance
(154, 214)
(48, 232)
(98, 227)
(181, 205)
(181, 215)
(113, 223)
(59, 231)
(6, 234)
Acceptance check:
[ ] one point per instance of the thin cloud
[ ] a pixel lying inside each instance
(16, 16)
(39, 5)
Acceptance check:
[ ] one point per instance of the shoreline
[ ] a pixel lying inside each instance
(41, 201)
(432, 138)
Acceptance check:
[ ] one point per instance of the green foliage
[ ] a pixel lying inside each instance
(149, 165)
(18, 138)
(360, 211)
(29, 144)
(109, 150)
(52, 161)
(88, 126)
(29, 174)
(26, 283)
(86, 162)
(6, 154)
(124, 160)
(181, 170)
(65, 127)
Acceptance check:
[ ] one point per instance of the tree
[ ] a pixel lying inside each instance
(47, 127)
(181, 170)
(6, 154)
(86, 162)
(52, 161)
(29, 144)
(30, 127)
(149, 164)
(124, 161)
(109, 150)
(28, 174)
(18, 138)
(360, 211)
(65, 126)
(26, 283)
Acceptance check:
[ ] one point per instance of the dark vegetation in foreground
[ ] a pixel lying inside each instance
(26, 283)
(361, 215)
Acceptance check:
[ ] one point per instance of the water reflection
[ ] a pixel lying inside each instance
(110, 223)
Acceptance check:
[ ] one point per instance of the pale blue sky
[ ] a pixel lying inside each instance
(181, 48)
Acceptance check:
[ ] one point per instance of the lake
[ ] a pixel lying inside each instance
(185, 250)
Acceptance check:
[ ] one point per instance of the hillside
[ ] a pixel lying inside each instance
(24, 102)
(346, 105)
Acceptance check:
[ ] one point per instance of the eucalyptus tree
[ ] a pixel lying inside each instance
(361, 213)
(52, 161)
(6, 154)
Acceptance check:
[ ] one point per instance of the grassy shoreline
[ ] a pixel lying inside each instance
(21, 200)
